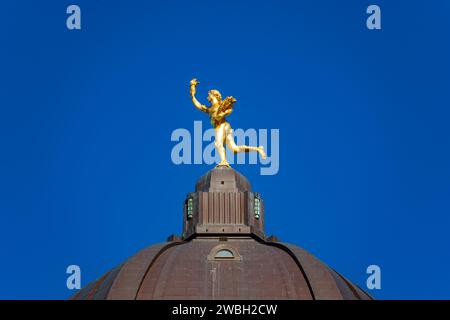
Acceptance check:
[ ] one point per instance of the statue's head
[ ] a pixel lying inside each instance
(214, 96)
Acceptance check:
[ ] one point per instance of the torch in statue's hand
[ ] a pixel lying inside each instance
(194, 84)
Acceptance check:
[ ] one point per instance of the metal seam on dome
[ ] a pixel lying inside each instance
(83, 292)
(346, 282)
(93, 291)
(112, 289)
(163, 249)
(326, 269)
(109, 277)
(294, 257)
(282, 267)
(351, 286)
(164, 273)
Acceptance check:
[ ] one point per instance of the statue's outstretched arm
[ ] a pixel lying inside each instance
(196, 103)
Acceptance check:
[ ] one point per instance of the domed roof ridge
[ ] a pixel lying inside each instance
(332, 285)
(223, 179)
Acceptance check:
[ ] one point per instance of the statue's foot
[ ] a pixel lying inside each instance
(262, 152)
(223, 163)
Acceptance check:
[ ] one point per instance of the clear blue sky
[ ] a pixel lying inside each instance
(86, 117)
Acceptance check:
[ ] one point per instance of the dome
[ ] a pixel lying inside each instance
(222, 179)
(223, 253)
(193, 270)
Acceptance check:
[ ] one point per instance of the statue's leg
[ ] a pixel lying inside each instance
(219, 141)
(233, 146)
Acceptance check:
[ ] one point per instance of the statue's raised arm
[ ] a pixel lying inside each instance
(196, 103)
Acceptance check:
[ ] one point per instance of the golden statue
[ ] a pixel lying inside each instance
(218, 110)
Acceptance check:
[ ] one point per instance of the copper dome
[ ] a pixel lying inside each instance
(223, 254)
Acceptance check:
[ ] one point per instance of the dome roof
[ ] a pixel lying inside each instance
(223, 253)
(222, 179)
(196, 269)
